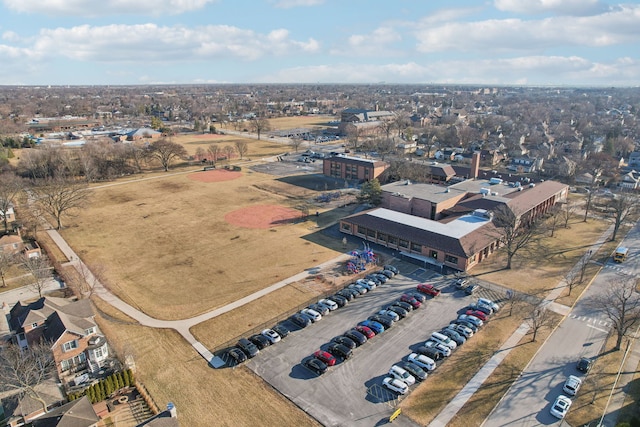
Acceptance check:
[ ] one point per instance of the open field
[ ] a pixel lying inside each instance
(310, 121)
(171, 253)
(257, 149)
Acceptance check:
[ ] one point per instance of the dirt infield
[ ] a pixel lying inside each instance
(216, 175)
(262, 216)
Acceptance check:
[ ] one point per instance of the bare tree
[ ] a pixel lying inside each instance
(620, 302)
(595, 175)
(242, 148)
(572, 279)
(554, 219)
(7, 259)
(513, 232)
(24, 369)
(259, 125)
(295, 143)
(513, 300)
(214, 152)
(538, 319)
(566, 212)
(40, 268)
(166, 152)
(621, 207)
(60, 197)
(86, 279)
(10, 186)
(228, 151)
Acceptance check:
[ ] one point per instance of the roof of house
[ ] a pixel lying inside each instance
(523, 201)
(356, 160)
(77, 413)
(20, 405)
(163, 419)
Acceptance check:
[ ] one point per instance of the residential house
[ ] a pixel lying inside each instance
(166, 418)
(353, 168)
(18, 408)
(68, 326)
(362, 121)
(13, 244)
(633, 163)
(630, 180)
(77, 413)
(9, 214)
(524, 164)
(491, 157)
(560, 166)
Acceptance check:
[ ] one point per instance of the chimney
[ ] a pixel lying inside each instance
(475, 164)
(172, 410)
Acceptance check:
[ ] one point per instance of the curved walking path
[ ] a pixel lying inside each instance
(182, 326)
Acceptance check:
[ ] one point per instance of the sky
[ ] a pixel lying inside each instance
(490, 42)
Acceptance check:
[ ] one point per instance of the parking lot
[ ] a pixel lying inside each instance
(351, 392)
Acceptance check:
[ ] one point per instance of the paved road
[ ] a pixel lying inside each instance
(582, 333)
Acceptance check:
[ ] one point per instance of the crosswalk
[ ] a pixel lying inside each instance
(598, 324)
(621, 269)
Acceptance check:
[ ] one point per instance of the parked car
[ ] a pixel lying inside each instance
(454, 335)
(572, 385)
(405, 305)
(410, 300)
(358, 337)
(477, 313)
(473, 319)
(460, 329)
(354, 292)
(314, 315)
(417, 295)
(381, 277)
(328, 358)
(359, 288)
(345, 341)
(300, 320)
(346, 294)
(271, 335)
(483, 301)
(429, 289)
(461, 283)
(388, 273)
(315, 365)
(402, 374)
(430, 352)
(466, 324)
(340, 300)
(332, 305)
(369, 285)
(260, 341)
(415, 370)
(390, 313)
(339, 350)
(482, 308)
(237, 355)
(584, 364)
(423, 361)
(322, 309)
(444, 340)
(471, 289)
(385, 321)
(366, 331)
(561, 406)
(391, 268)
(396, 385)
(401, 312)
(440, 348)
(248, 347)
(373, 278)
(281, 330)
(376, 327)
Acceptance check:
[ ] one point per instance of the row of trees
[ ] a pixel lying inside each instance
(104, 388)
(215, 152)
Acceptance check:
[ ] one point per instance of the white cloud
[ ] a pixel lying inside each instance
(10, 36)
(562, 7)
(288, 4)
(152, 43)
(92, 8)
(376, 43)
(610, 28)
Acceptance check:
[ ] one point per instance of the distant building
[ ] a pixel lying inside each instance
(353, 168)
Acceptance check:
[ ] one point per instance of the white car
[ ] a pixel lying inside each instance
(390, 313)
(369, 284)
(271, 335)
(487, 302)
(473, 319)
(358, 288)
(461, 329)
(561, 406)
(402, 374)
(315, 316)
(327, 302)
(396, 385)
(440, 348)
(572, 385)
(422, 361)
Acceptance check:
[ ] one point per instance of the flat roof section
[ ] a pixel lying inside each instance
(433, 193)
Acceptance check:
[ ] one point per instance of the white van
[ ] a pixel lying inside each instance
(401, 374)
(443, 339)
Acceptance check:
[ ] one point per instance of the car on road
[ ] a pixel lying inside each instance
(396, 385)
(477, 313)
(402, 374)
(461, 329)
(454, 335)
(409, 299)
(358, 337)
(339, 350)
(415, 370)
(260, 341)
(471, 289)
(332, 305)
(391, 268)
(366, 331)
(401, 312)
(423, 361)
(389, 313)
(322, 309)
(328, 358)
(271, 335)
(237, 355)
(484, 301)
(314, 315)
(345, 341)
(429, 289)
(376, 327)
(315, 365)
(248, 347)
(419, 296)
(405, 305)
(440, 348)
(473, 319)
(300, 320)
(281, 330)
(385, 321)
(338, 299)
(572, 385)
(561, 406)
(584, 364)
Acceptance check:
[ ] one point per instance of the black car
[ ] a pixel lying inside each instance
(381, 277)
(300, 320)
(388, 273)
(248, 347)
(419, 296)
(345, 294)
(456, 337)
(483, 308)
(315, 365)
(414, 370)
(358, 337)
(345, 341)
(391, 268)
(469, 325)
(281, 330)
(339, 350)
(401, 312)
(471, 289)
(236, 354)
(584, 364)
(338, 299)
(260, 341)
(374, 278)
(402, 304)
(429, 352)
(356, 293)
(385, 321)
(322, 309)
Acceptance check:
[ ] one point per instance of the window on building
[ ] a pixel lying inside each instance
(382, 236)
(403, 243)
(434, 254)
(65, 365)
(451, 259)
(345, 226)
(416, 247)
(393, 241)
(90, 331)
(21, 336)
(362, 230)
(97, 353)
(34, 325)
(371, 233)
(69, 345)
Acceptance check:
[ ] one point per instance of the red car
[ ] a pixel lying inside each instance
(367, 332)
(326, 357)
(477, 313)
(428, 289)
(410, 300)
